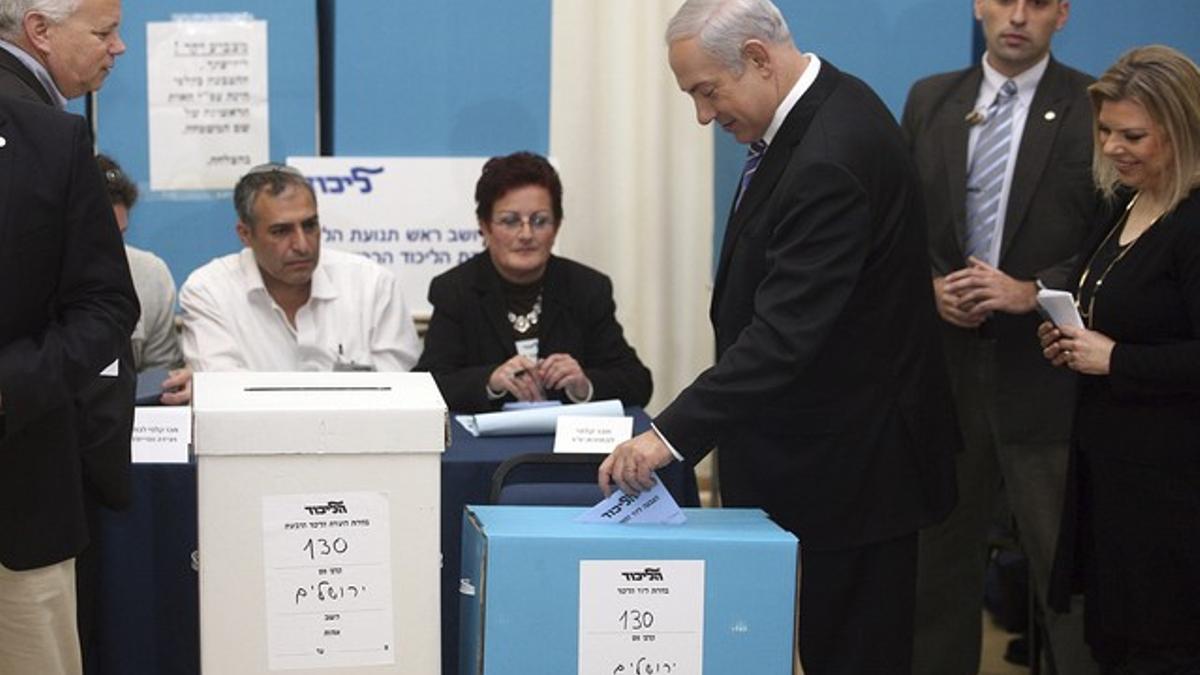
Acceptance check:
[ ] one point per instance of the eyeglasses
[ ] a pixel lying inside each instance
(512, 221)
(275, 167)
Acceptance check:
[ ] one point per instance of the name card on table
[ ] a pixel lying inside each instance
(161, 434)
(591, 434)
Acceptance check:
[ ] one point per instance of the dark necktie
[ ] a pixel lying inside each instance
(754, 155)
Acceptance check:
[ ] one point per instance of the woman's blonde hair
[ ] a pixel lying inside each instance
(1167, 84)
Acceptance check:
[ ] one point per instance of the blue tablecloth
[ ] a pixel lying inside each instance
(148, 619)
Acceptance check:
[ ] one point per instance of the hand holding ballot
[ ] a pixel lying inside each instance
(656, 505)
(631, 466)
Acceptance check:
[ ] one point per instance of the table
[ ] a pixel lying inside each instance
(148, 620)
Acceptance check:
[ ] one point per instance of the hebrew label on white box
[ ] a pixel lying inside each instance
(327, 560)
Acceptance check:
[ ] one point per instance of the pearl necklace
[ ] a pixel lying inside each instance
(523, 322)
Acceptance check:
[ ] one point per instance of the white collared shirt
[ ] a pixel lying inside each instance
(356, 315)
(1027, 83)
(39, 71)
(785, 106)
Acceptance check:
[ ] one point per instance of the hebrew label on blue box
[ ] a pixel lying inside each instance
(641, 617)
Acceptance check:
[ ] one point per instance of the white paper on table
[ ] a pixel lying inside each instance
(327, 561)
(655, 505)
(641, 616)
(1059, 307)
(534, 420)
(588, 433)
(161, 434)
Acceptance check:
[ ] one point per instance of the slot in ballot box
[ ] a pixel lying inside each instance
(541, 593)
(318, 522)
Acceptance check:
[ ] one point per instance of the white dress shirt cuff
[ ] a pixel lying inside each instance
(667, 443)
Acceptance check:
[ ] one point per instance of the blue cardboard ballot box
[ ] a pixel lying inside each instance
(541, 593)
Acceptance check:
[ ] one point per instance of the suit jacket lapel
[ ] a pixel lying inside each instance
(955, 133)
(1037, 139)
(774, 162)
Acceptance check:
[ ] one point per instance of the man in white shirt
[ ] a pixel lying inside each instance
(282, 304)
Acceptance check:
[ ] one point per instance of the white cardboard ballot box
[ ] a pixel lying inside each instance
(318, 522)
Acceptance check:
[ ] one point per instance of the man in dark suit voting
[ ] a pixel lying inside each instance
(829, 399)
(1004, 152)
(67, 306)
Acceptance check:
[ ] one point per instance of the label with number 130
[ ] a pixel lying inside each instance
(641, 617)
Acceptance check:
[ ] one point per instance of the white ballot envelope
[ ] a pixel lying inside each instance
(1059, 307)
(655, 505)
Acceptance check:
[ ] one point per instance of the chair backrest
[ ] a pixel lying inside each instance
(548, 479)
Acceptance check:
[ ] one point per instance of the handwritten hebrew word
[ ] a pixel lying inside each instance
(644, 666)
(326, 591)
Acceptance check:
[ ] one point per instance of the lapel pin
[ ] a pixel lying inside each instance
(3, 141)
(1050, 115)
(975, 117)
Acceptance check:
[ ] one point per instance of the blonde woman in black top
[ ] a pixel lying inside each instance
(1131, 525)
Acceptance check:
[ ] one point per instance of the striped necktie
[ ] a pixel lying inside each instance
(753, 156)
(985, 177)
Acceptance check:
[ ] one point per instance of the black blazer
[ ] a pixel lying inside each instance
(105, 407)
(66, 306)
(16, 80)
(1052, 207)
(469, 335)
(829, 398)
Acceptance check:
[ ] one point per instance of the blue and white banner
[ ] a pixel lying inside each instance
(413, 215)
